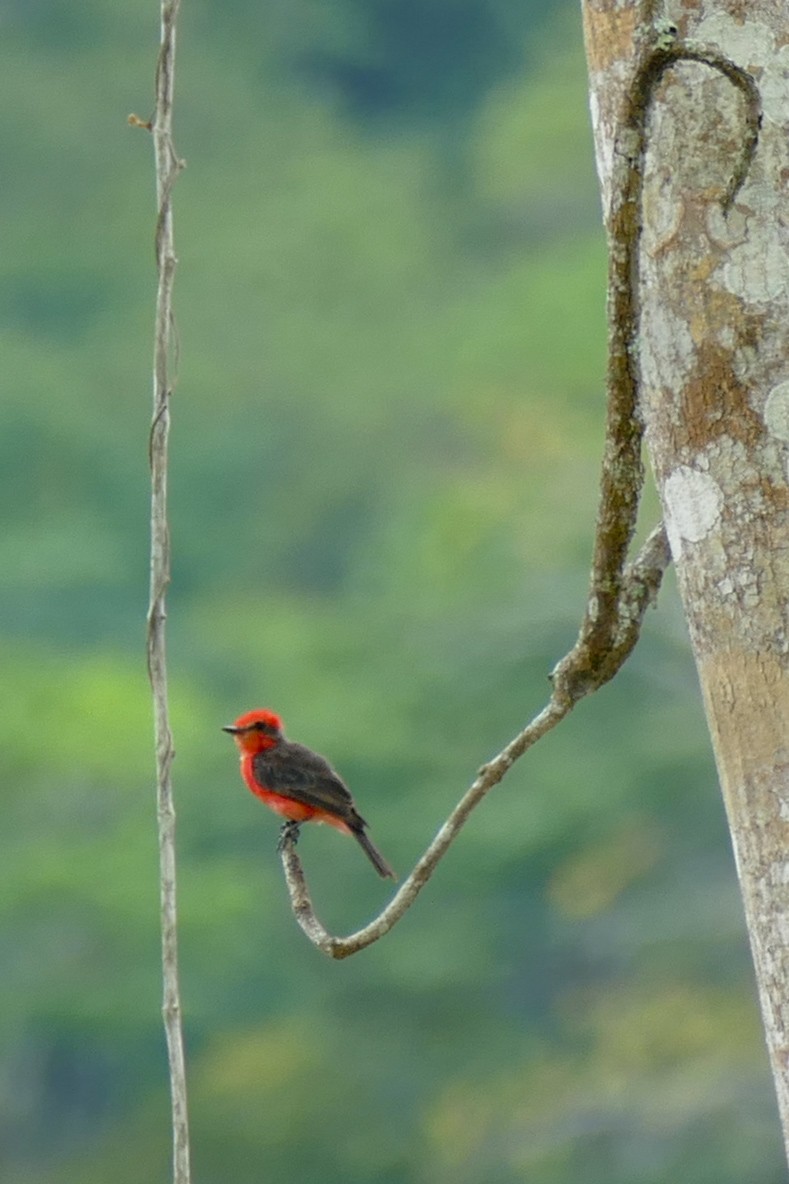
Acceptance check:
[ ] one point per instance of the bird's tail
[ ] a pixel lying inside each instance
(374, 855)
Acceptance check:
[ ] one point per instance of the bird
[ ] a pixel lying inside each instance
(297, 783)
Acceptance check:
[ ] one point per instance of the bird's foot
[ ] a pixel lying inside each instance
(289, 833)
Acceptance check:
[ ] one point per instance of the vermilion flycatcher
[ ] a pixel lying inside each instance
(296, 783)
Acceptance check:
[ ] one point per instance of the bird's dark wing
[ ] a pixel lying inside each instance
(297, 772)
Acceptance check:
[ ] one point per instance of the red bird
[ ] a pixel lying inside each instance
(296, 783)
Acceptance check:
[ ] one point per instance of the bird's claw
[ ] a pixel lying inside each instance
(289, 833)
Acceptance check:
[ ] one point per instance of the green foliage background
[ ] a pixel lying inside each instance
(385, 447)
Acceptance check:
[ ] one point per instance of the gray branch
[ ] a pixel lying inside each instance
(640, 583)
(168, 167)
(620, 592)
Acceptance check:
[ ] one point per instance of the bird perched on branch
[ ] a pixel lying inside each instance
(297, 783)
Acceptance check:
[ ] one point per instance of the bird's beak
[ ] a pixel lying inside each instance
(232, 729)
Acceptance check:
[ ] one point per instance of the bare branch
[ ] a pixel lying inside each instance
(619, 592)
(488, 776)
(640, 584)
(167, 168)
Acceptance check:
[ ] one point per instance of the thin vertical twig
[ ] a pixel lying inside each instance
(168, 167)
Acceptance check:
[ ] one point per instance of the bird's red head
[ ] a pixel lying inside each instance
(256, 730)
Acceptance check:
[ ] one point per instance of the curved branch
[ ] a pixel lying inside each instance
(596, 654)
(619, 592)
(488, 776)
(640, 584)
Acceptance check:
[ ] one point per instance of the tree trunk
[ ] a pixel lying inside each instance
(713, 356)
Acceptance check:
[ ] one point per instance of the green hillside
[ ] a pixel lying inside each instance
(385, 445)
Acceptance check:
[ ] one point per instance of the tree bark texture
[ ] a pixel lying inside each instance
(712, 351)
